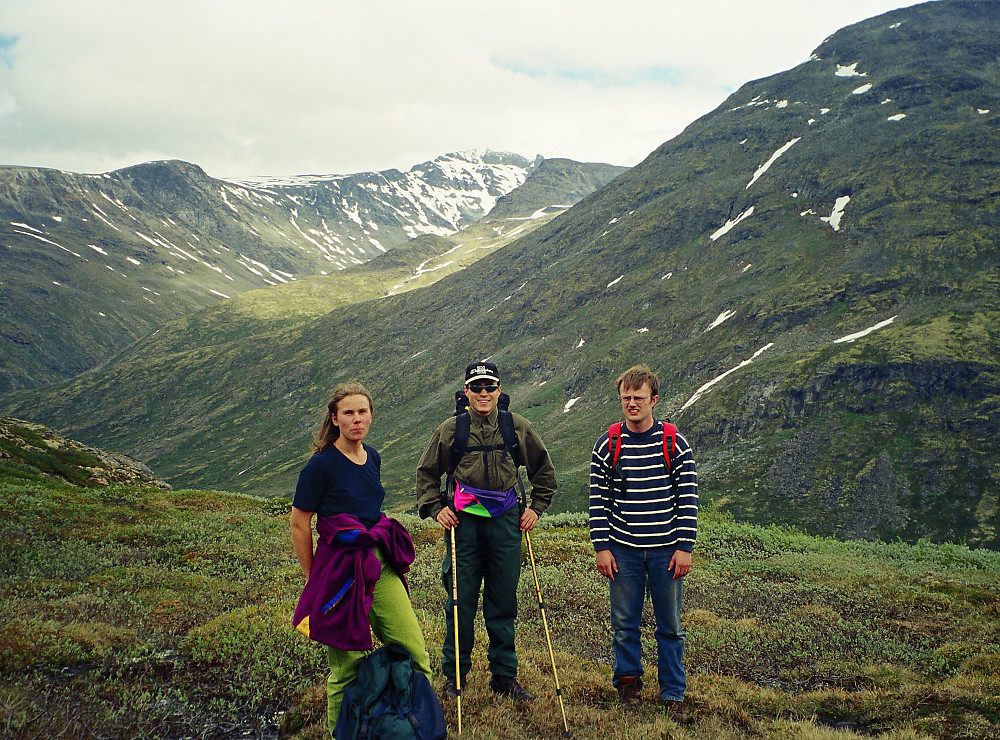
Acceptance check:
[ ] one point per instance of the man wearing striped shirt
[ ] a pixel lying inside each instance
(643, 521)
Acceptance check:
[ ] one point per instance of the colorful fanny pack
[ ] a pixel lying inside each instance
(483, 503)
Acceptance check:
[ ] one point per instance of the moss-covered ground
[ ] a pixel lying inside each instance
(141, 612)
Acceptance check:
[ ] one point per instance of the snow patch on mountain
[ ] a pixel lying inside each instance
(708, 386)
(719, 319)
(774, 158)
(727, 227)
(864, 332)
(849, 70)
(838, 211)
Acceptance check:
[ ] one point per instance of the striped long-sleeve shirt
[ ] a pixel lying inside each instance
(647, 511)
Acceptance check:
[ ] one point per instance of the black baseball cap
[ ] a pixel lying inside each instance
(482, 371)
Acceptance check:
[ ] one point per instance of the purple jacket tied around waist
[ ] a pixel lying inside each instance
(334, 605)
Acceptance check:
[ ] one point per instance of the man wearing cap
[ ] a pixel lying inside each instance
(481, 505)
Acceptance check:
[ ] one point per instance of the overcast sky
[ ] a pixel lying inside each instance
(283, 87)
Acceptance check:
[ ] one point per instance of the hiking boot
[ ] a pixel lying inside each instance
(509, 687)
(450, 689)
(629, 690)
(673, 707)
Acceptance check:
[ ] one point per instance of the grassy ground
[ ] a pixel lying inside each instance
(140, 612)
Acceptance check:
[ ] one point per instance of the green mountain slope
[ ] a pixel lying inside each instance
(134, 611)
(850, 198)
(32, 453)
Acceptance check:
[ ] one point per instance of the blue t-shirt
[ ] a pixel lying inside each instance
(332, 484)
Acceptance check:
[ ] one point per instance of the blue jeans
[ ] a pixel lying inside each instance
(636, 567)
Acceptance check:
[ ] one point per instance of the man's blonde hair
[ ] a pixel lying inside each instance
(635, 376)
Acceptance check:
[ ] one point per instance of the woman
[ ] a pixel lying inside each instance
(354, 575)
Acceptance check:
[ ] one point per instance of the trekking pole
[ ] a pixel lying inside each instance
(548, 639)
(454, 615)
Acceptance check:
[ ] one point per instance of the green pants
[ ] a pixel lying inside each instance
(392, 620)
(489, 556)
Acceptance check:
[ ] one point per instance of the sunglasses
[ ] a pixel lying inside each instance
(480, 387)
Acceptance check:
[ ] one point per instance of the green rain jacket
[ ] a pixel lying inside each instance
(472, 468)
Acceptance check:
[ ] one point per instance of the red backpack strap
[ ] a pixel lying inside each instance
(669, 444)
(615, 441)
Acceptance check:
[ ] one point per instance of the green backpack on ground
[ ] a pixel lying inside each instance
(390, 700)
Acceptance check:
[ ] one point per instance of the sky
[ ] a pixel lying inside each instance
(248, 88)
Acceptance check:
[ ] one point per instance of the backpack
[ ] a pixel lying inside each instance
(390, 700)
(460, 444)
(615, 448)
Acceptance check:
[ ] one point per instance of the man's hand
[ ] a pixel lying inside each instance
(606, 564)
(680, 564)
(528, 520)
(446, 518)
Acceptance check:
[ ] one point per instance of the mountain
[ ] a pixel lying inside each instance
(811, 268)
(552, 188)
(258, 314)
(93, 262)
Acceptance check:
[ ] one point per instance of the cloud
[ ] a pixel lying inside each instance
(6, 45)
(596, 77)
(311, 86)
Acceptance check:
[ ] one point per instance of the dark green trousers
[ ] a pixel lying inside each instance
(488, 557)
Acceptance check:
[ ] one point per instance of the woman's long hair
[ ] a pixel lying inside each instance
(328, 431)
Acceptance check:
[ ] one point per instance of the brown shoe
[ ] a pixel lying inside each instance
(629, 690)
(673, 707)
